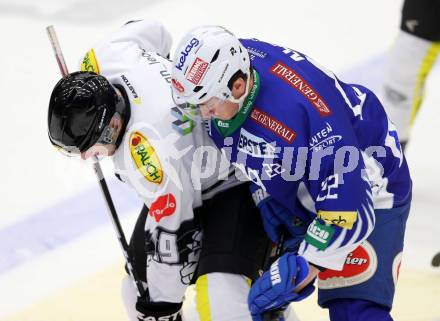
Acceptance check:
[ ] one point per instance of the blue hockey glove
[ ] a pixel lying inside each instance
(275, 315)
(275, 289)
(278, 220)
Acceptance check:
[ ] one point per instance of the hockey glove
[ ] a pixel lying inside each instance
(158, 311)
(278, 220)
(275, 289)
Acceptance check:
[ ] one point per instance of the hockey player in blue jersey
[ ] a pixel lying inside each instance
(328, 171)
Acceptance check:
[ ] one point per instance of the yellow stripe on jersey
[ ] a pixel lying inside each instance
(248, 281)
(202, 298)
(425, 67)
(90, 63)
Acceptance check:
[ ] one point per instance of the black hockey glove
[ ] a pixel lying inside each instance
(158, 311)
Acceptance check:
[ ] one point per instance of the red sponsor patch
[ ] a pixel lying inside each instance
(360, 265)
(275, 126)
(290, 76)
(197, 71)
(164, 205)
(177, 85)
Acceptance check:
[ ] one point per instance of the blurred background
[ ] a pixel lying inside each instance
(59, 256)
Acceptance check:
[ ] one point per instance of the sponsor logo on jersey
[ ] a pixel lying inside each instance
(360, 265)
(197, 71)
(89, 62)
(274, 125)
(136, 99)
(165, 75)
(184, 53)
(145, 158)
(290, 76)
(275, 276)
(254, 145)
(256, 53)
(344, 219)
(183, 125)
(149, 56)
(322, 139)
(164, 205)
(319, 235)
(152, 60)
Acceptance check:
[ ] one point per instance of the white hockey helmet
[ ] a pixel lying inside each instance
(204, 62)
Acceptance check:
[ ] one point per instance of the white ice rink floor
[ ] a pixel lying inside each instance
(59, 258)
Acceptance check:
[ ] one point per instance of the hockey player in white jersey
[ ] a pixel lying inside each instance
(410, 61)
(119, 105)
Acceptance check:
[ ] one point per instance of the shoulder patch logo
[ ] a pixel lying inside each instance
(291, 77)
(90, 63)
(145, 158)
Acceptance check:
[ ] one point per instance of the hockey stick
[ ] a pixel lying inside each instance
(100, 176)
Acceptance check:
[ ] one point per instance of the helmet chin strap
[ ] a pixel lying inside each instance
(241, 99)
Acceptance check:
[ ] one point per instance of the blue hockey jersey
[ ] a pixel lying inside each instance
(304, 136)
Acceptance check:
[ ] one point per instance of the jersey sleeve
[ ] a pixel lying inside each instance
(164, 184)
(109, 56)
(148, 34)
(339, 193)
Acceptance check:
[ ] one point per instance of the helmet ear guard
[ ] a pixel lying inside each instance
(81, 106)
(205, 61)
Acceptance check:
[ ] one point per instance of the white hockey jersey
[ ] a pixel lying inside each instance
(171, 164)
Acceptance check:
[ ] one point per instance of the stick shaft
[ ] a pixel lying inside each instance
(57, 50)
(100, 176)
(118, 228)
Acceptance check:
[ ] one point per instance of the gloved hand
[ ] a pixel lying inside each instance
(275, 289)
(158, 311)
(278, 220)
(275, 315)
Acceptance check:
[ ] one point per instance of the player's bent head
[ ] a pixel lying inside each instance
(81, 107)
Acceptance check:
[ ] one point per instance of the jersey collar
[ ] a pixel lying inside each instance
(227, 127)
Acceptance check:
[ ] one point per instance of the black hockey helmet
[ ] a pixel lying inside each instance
(81, 106)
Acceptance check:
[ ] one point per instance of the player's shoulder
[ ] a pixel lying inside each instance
(256, 48)
(148, 156)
